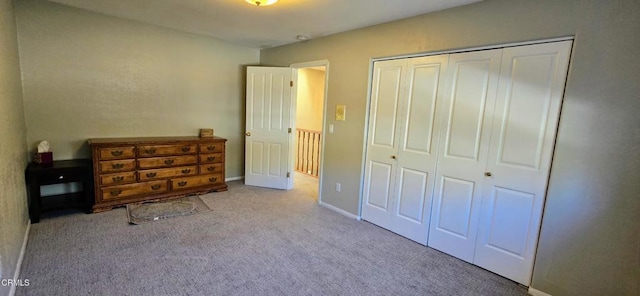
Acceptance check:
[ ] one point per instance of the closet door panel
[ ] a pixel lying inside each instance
(455, 206)
(382, 142)
(523, 135)
(416, 159)
(467, 113)
(380, 185)
(412, 194)
(385, 106)
(421, 105)
(472, 82)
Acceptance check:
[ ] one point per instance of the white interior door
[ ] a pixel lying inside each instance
(523, 135)
(268, 119)
(419, 138)
(467, 117)
(382, 142)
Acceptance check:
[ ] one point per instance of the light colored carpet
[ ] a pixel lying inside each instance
(255, 241)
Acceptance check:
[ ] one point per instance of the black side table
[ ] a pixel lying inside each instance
(61, 171)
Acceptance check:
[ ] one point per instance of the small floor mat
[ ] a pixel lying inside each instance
(154, 211)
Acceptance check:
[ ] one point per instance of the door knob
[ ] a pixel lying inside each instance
(248, 134)
(393, 156)
(488, 174)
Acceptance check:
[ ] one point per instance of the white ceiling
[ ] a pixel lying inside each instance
(238, 22)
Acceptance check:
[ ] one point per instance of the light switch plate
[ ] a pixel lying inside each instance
(341, 112)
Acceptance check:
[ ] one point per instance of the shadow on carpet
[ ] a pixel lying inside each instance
(141, 213)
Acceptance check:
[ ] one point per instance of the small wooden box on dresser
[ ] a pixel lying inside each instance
(128, 170)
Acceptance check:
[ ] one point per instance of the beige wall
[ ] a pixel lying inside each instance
(310, 101)
(13, 156)
(88, 75)
(590, 232)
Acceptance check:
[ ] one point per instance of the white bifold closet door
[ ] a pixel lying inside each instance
(493, 165)
(468, 113)
(522, 139)
(401, 145)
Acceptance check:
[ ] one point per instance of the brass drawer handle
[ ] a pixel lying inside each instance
(186, 149)
(211, 158)
(116, 152)
(168, 161)
(117, 166)
(118, 179)
(182, 183)
(151, 175)
(212, 147)
(186, 171)
(211, 168)
(213, 179)
(150, 151)
(156, 187)
(115, 192)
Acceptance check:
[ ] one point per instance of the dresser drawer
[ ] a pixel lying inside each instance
(197, 181)
(211, 147)
(163, 150)
(122, 191)
(211, 158)
(116, 179)
(212, 168)
(116, 152)
(114, 166)
(158, 162)
(167, 173)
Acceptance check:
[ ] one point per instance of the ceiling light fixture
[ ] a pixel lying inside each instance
(261, 2)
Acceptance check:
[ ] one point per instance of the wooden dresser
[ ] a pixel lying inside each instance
(128, 170)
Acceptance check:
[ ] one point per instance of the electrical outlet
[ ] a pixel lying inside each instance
(338, 185)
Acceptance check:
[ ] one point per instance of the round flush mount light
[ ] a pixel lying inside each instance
(261, 2)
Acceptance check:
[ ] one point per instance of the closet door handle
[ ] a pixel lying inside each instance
(393, 157)
(488, 174)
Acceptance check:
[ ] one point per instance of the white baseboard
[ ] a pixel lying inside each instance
(341, 211)
(233, 178)
(16, 275)
(535, 292)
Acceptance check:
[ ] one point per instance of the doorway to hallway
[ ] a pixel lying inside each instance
(310, 109)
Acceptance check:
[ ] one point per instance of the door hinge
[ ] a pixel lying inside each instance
(291, 83)
(289, 130)
(288, 175)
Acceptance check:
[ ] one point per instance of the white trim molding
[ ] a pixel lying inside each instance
(234, 178)
(535, 292)
(339, 210)
(16, 275)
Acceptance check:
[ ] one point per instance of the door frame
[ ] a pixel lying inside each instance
(453, 51)
(294, 105)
